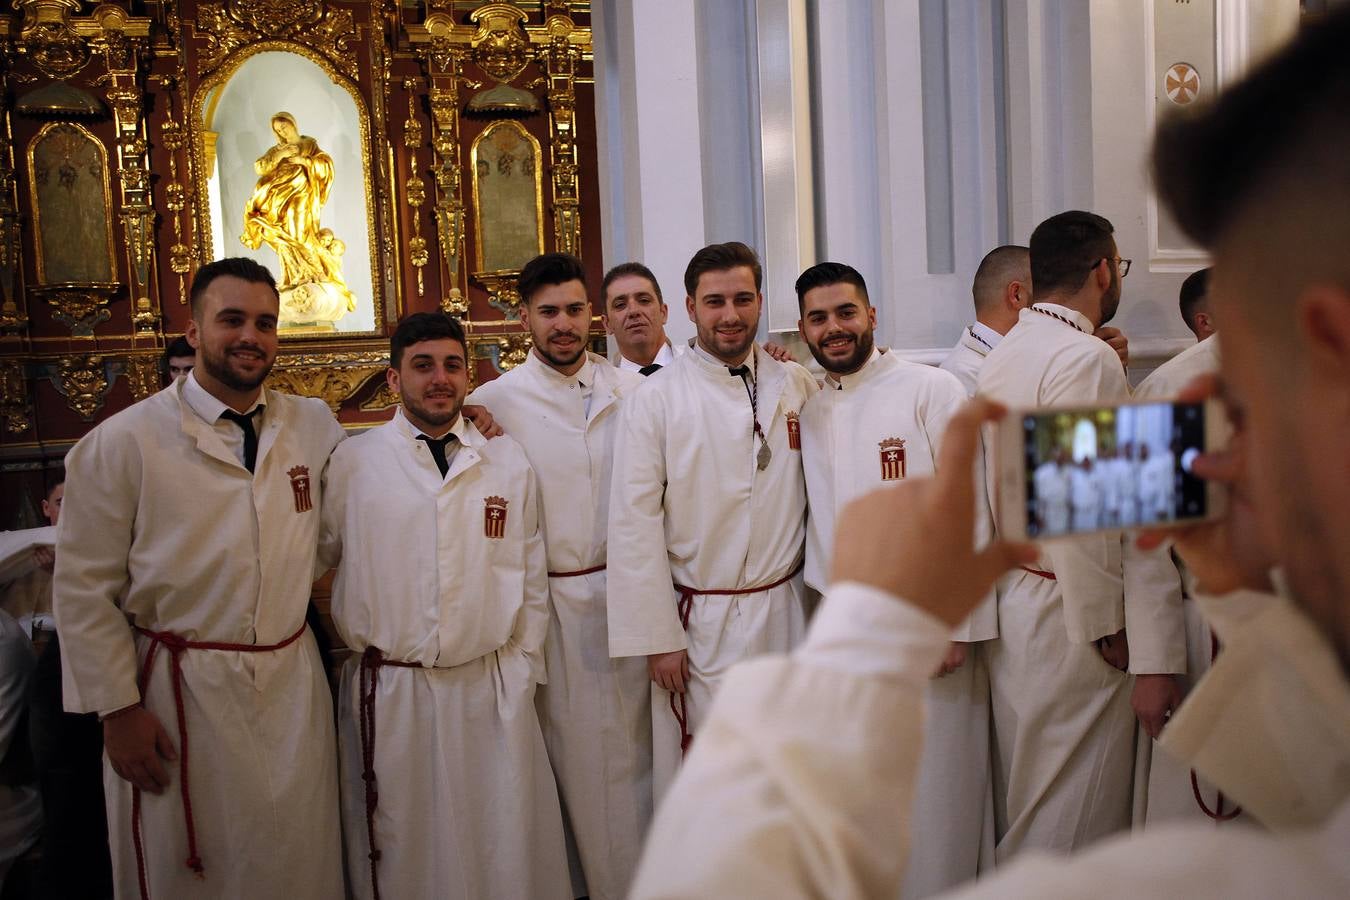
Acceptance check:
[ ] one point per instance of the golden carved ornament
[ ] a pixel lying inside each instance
(329, 384)
(501, 45)
(141, 371)
(228, 25)
(502, 293)
(15, 408)
(454, 303)
(506, 351)
(383, 398)
(47, 38)
(78, 306)
(83, 381)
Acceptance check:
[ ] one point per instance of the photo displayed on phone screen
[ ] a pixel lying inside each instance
(1113, 467)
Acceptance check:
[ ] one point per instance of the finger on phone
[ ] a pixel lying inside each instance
(961, 441)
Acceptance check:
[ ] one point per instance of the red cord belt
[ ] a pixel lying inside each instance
(176, 645)
(591, 571)
(1039, 572)
(371, 662)
(678, 705)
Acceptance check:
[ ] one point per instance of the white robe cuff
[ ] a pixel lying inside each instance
(861, 630)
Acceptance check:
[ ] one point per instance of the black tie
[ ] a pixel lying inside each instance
(649, 368)
(437, 448)
(245, 422)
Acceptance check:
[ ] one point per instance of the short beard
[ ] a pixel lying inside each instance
(561, 361)
(424, 416)
(218, 367)
(709, 342)
(861, 351)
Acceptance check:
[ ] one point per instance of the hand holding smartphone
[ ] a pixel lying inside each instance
(1062, 472)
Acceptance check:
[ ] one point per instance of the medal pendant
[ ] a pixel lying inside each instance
(765, 454)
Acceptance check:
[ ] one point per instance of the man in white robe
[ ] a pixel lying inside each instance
(26, 561)
(879, 420)
(1156, 484)
(188, 534)
(442, 594)
(708, 509)
(1001, 289)
(1127, 484)
(562, 406)
(1163, 789)
(1062, 705)
(789, 793)
(1052, 483)
(1085, 491)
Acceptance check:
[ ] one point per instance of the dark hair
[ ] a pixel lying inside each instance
(548, 269)
(179, 346)
(424, 326)
(1288, 119)
(825, 274)
(720, 258)
(57, 480)
(240, 267)
(628, 268)
(1193, 291)
(999, 266)
(1064, 248)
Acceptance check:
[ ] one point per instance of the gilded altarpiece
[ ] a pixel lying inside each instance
(439, 144)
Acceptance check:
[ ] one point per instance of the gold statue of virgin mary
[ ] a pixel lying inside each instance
(295, 178)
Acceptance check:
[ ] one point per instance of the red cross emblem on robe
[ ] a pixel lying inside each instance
(494, 517)
(794, 428)
(892, 459)
(300, 488)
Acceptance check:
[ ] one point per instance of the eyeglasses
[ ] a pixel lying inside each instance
(1122, 265)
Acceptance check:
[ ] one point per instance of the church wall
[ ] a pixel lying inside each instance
(935, 131)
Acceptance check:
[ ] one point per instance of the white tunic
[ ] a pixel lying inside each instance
(1085, 490)
(20, 804)
(966, 358)
(848, 431)
(467, 804)
(792, 789)
(25, 587)
(163, 528)
(595, 710)
(1062, 716)
(1163, 791)
(690, 506)
(1052, 483)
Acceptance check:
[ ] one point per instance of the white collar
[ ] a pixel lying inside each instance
(208, 407)
(714, 361)
(985, 338)
(850, 381)
(458, 428)
(664, 357)
(1049, 311)
(585, 376)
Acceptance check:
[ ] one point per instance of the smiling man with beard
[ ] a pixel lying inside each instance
(563, 404)
(880, 420)
(708, 494)
(183, 569)
(442, 592)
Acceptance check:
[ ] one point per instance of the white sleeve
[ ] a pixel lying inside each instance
(532, 624)
(93, 544)
(797, 784)
(640, 602)
(1154, 619)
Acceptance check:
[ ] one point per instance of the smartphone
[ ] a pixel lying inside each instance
(1072, 471)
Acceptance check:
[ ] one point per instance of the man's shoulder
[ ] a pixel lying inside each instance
(502, 451)
(930, 378)
(151, 416)
(1173, 375)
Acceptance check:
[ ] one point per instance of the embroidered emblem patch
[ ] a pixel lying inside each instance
(794, 427)
(300, 488)
(892, 459)
(494, 517)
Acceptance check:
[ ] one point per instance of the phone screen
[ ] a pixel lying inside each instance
(1112, 467)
